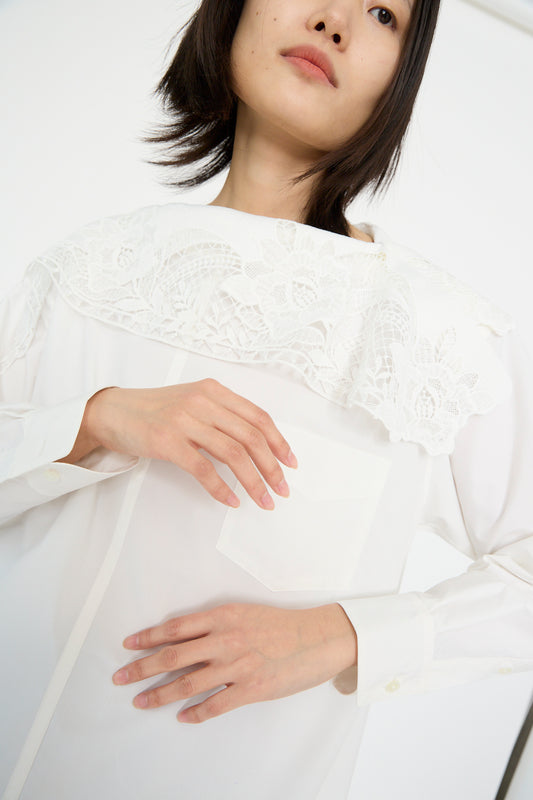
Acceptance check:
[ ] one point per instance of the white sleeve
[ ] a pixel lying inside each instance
(480, 623)
(33, 437)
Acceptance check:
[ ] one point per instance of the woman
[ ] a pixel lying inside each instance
(226, 316)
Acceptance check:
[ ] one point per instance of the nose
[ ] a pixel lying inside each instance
(332, 23)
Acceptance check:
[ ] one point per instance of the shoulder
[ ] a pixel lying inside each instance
(115, 245)
(432, 348)
(358, 233)
(21, 309)
(135, 225)
(82, 258)
(435, 291)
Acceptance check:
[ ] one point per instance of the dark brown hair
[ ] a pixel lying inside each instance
(197, 95)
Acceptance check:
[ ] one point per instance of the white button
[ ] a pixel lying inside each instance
(393, 686)
(52, 475)
(505, 670)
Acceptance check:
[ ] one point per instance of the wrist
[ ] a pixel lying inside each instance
(87, 439)
(92, 424)
(339, 636)
(349, 635)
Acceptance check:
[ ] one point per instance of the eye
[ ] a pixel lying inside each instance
(384, 16)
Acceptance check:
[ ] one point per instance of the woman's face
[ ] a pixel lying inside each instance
(362, 41)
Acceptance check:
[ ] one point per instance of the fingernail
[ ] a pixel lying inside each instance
(267, 502)
(233, 501)
(122, 676)
(141, 701)
(283, 489)
(131, 641)
(291, 458)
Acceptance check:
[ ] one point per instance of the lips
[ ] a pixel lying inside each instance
(314, 56)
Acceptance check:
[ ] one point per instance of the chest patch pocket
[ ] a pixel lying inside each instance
(313, 539)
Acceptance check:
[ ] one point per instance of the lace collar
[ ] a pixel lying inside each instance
(363, 324)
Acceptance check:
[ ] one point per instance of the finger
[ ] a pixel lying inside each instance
(252, 439)
(205, 473)
(219, 703)
(178, 629)
(257, 417)
(168, 659)
(184, 687)
(234, 454)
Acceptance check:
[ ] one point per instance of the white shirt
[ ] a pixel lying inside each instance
(406, 398)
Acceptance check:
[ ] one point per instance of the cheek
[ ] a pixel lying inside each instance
(247, 51)
(249, 72)
(374, 76)
(368, 88)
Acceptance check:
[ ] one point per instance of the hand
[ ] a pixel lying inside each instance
(258, 652)
(172, 423)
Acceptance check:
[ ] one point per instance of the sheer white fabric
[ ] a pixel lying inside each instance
(406, 399)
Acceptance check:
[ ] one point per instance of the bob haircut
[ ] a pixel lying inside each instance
(196, 94)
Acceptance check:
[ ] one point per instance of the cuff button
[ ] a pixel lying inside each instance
(52, 475)
(393, 686)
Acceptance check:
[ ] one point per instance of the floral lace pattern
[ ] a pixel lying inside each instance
(21, 323)
(368, 325)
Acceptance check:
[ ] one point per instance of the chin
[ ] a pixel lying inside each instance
(319, 143)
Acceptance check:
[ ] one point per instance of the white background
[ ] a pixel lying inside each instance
(75, 84)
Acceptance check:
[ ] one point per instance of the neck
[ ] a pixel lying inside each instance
(264, 161)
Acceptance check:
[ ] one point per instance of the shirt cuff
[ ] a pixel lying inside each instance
(55, 479)
(29, 471)
(42, 435)
(58, 478)
(395, 642)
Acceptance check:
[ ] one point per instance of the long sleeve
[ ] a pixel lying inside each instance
(34, 435)
(479, 623)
